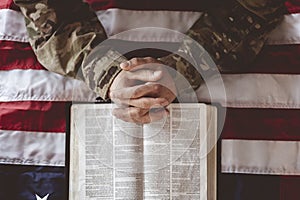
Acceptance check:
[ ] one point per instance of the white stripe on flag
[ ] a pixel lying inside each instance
(32, 148)
(41, 85)
(114, 23)
(254, 91)
(13, 27)
(261, 157)
(288, 32)
(242, 90)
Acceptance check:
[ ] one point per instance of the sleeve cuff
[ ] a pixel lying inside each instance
(100, 72)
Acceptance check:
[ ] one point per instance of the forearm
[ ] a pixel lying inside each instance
(232, 32)
(62, 34)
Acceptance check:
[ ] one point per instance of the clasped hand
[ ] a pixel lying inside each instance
(142, 90)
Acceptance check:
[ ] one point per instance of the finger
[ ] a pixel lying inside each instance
(129, 112)
(137, 61)
(145, 75)
(149, 90)
(139, 116)
(127, 65)
(140, 63)
(162, 91)
(144, 102)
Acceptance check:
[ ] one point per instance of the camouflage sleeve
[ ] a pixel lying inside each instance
(63, 33)
(232, 32)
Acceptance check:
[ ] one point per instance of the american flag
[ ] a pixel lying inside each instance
(260, 156)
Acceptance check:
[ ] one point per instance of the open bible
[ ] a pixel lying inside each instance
(174, 158)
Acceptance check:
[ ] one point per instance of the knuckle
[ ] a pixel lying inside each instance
(132, 114)
(157, 88)
(146, 120)
(135, 93)
(134, 61)
(140, 112)
(150, 59)
(145, 104)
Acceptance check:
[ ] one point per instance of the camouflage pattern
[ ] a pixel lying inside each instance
(64, 32)
(232, 32)
(185, 68)
(97, 77)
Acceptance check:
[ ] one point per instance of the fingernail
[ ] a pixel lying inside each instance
(124, 65)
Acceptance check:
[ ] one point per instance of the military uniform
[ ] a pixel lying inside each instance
(63, 33)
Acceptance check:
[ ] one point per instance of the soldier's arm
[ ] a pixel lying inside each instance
(63, 33)
(232, 32)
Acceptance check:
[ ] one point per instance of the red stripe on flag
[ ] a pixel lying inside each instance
(275, 59)
(188, 5)
(289, 188)
(293, 6)
(8, 4)
(175, 5)
(33, 116)
(17, 55)
(262, 124)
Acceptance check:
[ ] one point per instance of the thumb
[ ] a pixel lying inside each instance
(126, 65)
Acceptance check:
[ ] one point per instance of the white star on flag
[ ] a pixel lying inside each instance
(39, 198)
